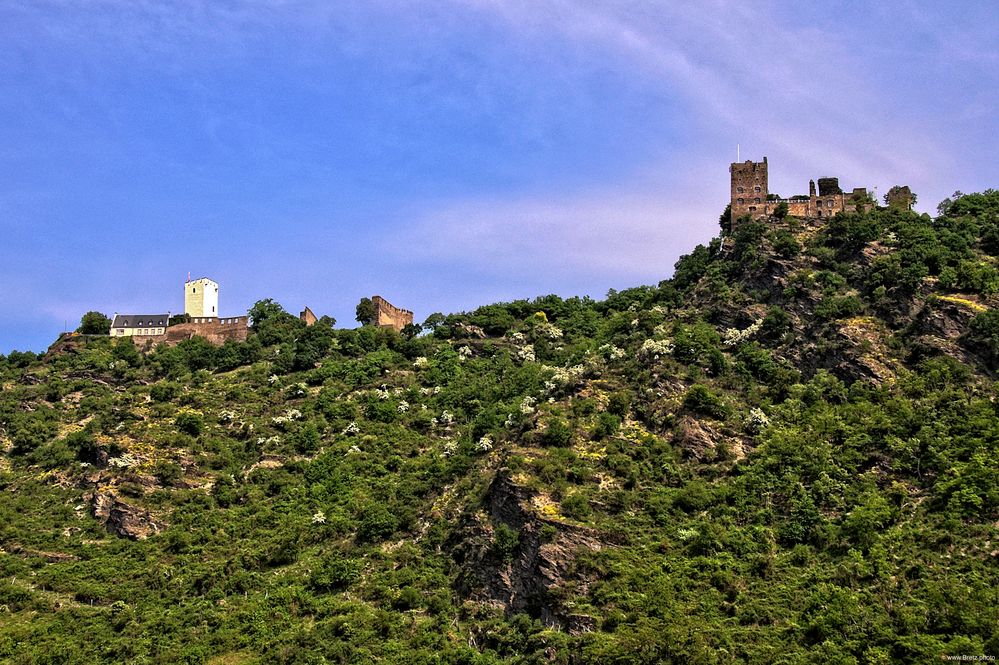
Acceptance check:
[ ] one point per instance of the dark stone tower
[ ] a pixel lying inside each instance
(749, 188)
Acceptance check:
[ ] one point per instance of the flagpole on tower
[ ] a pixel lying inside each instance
(737, 153)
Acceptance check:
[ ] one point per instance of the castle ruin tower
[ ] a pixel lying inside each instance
(201, 298)
(749, 189)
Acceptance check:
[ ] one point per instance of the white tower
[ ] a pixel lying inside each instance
(201, 298)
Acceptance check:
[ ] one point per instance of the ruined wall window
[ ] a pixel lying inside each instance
(741, 201)
(752, 208)
(757, 189)
(193, 290)
(820, 213)
(740, 190)
(757, 199)
(829, 204)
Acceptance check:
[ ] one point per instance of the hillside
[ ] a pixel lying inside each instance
(785, 453)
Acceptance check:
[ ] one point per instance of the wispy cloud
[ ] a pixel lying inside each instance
(799, 90)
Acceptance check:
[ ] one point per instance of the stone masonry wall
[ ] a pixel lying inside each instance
(390, 316)
(216, 331)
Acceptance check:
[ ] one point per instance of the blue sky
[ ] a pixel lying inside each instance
(445, 153)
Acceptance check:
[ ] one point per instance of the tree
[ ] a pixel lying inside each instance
(725, 220)
(367, 312)
(434, 321)
(272, 324)
(264, 310)
(943, 208)
(780, 212)
(411, 330)
(94, 323)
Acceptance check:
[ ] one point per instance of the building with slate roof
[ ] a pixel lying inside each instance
(129, 325)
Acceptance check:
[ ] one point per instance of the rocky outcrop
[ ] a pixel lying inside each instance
(695, 438)
(467, 330)
(532, 576)
(123, 519)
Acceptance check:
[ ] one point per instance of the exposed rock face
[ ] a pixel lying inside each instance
(942, 328)
(530, 580)
(695, 438)
(468, 330)
(123, 519)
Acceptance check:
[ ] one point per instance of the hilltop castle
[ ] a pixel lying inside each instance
(751, 195)
(200, 319)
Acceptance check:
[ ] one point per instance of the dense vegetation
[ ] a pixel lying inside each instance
(785, 453)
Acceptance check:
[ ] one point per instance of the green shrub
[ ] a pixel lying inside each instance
(164, 391)
(189, 423)
(557, 434)
(701, 399)
(506, 540)
(607, 425)
(376, 523)
(335, 572)
(576, 506)
(619, 402)
(838, 307)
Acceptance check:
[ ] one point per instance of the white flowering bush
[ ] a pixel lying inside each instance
(450, 448)
(351, 429)
(611, 352)
(403, 407)
(485, 444)
(464, 352)
(549, 331)
(421, 363)
(733, 337)
(319, 518)
(654, 349)
(685, 534)
(757, 420)
(526, 353)
(527, 405)
(123, 461)
(565, 376)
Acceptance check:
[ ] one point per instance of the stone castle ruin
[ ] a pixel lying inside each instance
(751, 195)
(308, 317)
(388, 315)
